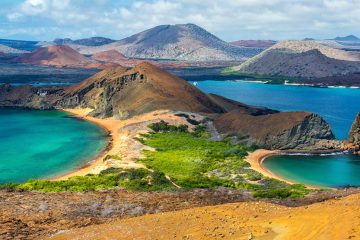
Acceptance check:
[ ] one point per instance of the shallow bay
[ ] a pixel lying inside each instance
(325, 171)
(39, 144)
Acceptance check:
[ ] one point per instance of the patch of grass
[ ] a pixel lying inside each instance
(187, 159)
(280, 193)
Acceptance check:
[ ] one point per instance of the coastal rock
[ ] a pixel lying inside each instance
(354, 134)
(285, 130)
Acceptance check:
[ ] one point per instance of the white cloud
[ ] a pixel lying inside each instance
(229, 19)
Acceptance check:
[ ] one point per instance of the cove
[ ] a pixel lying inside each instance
(339, 170)
(338, 106)
(42, 144)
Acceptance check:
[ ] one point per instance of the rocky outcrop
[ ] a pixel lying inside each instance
(354, 135)
(286, 130)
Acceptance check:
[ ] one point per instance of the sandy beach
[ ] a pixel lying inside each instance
(122, 139)
(111, 126)
(255, 158)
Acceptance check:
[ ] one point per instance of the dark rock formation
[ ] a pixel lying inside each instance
(286, 130)
(354, 135)
(29, 97)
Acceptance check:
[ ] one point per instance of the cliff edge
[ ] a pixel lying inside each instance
(354, 134)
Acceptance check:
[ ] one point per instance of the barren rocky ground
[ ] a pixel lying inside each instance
(333, 219)
(31, 215)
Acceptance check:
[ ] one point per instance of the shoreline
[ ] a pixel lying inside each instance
(256, 159)
(293, 84)
(98, 160)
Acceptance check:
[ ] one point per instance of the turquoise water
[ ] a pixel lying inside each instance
(338, 106)
(325, 171)
(39, 144)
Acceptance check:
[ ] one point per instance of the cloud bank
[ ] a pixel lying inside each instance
(228, 19)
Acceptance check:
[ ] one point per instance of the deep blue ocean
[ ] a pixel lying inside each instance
(338, 106)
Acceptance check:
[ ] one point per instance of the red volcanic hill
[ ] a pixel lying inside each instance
(109, 56)
(123, 93)
(58, 55)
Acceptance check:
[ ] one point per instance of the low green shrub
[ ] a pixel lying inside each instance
(135, 179)
(279, 193)
(8, 186)
(163, 126)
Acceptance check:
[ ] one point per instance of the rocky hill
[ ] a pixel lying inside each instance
(93, 41)
(9, 50)
(59, 55)
(123, 93)
(303, 59)
(181, 42)
(109, 56)
(350, 38)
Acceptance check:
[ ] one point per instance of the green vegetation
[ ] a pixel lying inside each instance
(163, 126)
(271, 79)
(134, 179)
(115, 157)
(190, 159)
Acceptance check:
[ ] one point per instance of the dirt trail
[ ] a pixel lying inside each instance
(333, 219)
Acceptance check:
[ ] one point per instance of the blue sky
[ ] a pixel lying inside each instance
(228, 19)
